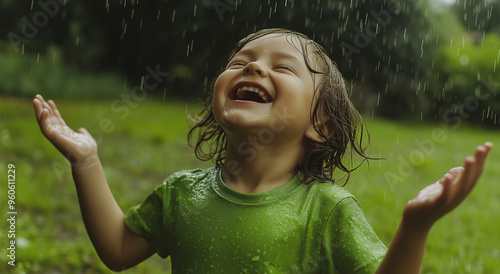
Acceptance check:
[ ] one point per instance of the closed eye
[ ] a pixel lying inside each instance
(236, 64)
(285, 67)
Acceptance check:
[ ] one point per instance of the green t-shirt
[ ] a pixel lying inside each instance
(205, 226)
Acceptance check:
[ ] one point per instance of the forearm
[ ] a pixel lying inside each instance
(117, 246)
(103, 218)
(406, 252)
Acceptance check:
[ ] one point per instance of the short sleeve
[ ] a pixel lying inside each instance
(349, 242)
(149, 220)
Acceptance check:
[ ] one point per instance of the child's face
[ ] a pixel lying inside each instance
(266, 85)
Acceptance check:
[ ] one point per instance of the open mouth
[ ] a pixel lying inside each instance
(251, 93)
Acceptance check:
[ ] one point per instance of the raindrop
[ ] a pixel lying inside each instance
(158, 15)
(173, 16)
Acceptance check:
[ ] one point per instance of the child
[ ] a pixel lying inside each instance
(279, 124)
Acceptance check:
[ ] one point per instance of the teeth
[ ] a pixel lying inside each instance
(262, 94)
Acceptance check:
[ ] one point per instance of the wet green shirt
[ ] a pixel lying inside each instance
(205, 226)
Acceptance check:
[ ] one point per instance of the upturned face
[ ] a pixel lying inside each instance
(265, 83)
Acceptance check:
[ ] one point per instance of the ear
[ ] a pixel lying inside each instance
(313, 135)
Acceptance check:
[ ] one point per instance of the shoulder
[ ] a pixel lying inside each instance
(190, 175)
(187, 178)
(329, 192)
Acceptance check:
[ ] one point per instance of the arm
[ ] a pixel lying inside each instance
(406, 252)
(117, 246)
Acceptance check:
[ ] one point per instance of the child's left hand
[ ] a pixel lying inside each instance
(437, 199)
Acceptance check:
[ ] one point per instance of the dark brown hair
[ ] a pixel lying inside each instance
(342, 125)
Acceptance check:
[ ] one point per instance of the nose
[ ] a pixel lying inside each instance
(254, 67)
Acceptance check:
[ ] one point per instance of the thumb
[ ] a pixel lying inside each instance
(84, 131)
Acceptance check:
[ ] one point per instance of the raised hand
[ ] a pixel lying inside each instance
(77, 146)
(437, 199)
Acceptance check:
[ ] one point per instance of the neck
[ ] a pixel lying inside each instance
(254, 167)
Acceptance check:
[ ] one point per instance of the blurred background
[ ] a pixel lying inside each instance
(131, 71)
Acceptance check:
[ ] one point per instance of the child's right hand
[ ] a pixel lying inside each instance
(78, 147)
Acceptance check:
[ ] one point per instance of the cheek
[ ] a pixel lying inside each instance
(218, 98)
(221, 83)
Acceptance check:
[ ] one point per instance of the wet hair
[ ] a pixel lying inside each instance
(333, 115)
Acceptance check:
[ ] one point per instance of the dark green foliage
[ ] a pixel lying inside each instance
(388, 50)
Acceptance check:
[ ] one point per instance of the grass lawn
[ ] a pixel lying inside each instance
(140, 145)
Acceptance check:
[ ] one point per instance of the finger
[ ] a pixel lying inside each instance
(454, 173)
(56, 112)
(52, 116)
(46, 107)
(488, 145)
(39, 97)
(466, 182)
(447, 184)
(476, 164)
(482, 152)
(84, 131)
(37, 106)
(43, 122)
(41, 113)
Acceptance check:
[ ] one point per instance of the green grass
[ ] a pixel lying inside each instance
(28, 74)
(143, 147)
